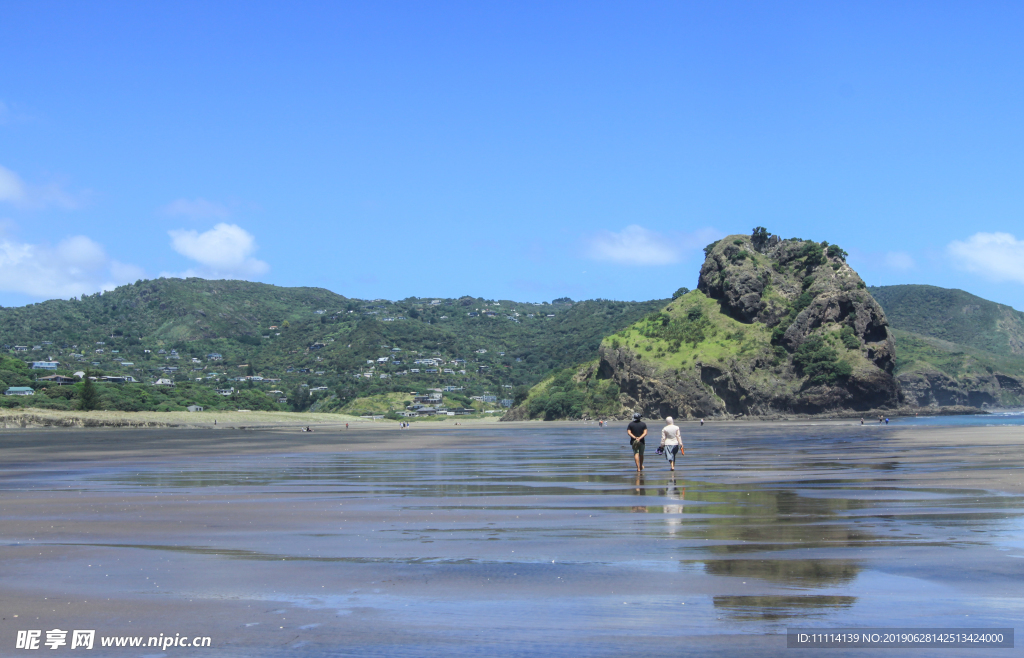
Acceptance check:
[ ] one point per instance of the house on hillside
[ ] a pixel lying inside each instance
(44, 365)
(194, 407)
(59, 380)
(214, 357)
(21, 348)
(19, 390)
(163, 382)
(119, 379)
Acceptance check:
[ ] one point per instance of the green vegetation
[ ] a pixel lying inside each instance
(921, 353)
(954, 332)
(168, 328)
(692, 328)
(88, 398)
(820, 362)
(955, 316)
(574, 393)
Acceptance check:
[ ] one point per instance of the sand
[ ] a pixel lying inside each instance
(530, 539)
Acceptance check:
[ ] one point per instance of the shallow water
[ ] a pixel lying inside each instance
(537, 541)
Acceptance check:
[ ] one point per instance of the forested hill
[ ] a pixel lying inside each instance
(311, 338)
(165, 310)
(955, 316)
(955, 348)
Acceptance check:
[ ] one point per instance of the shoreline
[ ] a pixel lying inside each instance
(32, 418)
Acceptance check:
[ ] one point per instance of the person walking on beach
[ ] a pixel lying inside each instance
(637, 430)
(671, 441)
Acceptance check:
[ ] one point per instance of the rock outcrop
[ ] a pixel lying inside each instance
(775, 326)
(928, 387)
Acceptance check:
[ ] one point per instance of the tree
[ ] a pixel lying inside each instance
(679, 293)
(759, 237)
(300, 398)
(90, 399)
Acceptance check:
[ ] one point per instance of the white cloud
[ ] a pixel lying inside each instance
(997, 256)
(637, 245)
(196, 209)
(11, 186)
(224, 252)
(14, 190)
(899, 260)
(75, 266)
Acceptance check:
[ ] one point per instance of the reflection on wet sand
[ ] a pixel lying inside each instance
(540, 548)
(806, 573)
(775, 608)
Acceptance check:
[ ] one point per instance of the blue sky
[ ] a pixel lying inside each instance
(505, 150)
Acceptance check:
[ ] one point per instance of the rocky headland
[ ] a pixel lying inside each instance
(775, 327)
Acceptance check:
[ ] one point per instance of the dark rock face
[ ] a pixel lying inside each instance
(933, 388)
(681, 396)
(800, 290)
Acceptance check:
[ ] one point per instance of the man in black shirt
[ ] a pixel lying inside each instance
(637, 430)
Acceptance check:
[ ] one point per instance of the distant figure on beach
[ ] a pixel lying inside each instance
(671, 441)
(346, 425)
(637, 430)
(886, 421)
(861, 421)
(702, 422)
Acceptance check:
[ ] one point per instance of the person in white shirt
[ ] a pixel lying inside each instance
(671, 441)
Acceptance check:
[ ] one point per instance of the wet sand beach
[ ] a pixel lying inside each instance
(510, 539)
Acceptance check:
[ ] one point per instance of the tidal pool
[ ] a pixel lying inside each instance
(536, 540)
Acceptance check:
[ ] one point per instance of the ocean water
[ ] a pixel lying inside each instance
(537, 541)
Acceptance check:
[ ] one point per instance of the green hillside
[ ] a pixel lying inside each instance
(952, 331)
(955, 316)
(322, 349)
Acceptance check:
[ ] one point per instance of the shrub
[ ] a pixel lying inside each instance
(849, 338)
(816, 359)
(834, 251)
(813, 254)
(679, 293)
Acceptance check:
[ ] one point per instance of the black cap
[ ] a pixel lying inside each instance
(636, 416)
